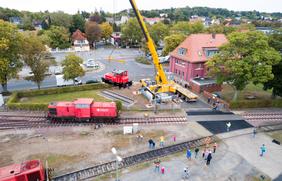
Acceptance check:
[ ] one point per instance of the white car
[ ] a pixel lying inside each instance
(92, 64)
(164, 59)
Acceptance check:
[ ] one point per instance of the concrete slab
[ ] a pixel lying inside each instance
(249, 148)
(215, 117)
(225, 165)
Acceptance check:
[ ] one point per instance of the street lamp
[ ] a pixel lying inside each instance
(46, 138)
(118, 159)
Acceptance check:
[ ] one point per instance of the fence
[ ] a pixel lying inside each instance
(213, 99)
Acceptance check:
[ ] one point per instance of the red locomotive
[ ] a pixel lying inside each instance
(27, 171)
(83, 109)
(117, 78)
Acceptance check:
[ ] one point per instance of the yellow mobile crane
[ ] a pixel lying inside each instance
(162, 84)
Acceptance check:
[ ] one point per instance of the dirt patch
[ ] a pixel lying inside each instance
(71, 148)
(57, 160)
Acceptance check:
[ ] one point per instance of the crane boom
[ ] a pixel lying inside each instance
(160, 74)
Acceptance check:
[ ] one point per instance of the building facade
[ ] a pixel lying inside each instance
(187, 61)
(80, 41)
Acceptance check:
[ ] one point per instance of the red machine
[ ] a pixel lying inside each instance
(83, 109)
(27, 171)
(118, 78)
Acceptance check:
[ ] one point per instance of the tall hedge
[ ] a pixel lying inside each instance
(13, 103)
(256, 103)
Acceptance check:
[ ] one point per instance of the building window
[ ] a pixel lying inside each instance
(182, 51)
(210, 53)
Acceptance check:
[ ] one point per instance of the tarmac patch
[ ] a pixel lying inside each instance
(216, 127)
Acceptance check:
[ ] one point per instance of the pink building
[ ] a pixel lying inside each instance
(188, 60)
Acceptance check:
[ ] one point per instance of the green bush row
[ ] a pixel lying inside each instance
(13, 103)
(256, 103)
(85, 87)
(143, 60)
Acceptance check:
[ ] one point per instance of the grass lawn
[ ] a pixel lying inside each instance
(251, 89)
(70, 96)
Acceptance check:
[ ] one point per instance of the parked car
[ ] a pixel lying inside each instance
(92, 64)
(62, 82)
(93, 81)
(164, 59)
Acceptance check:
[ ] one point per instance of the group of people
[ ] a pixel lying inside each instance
(158, 167)
(207, 153)
(152, 143)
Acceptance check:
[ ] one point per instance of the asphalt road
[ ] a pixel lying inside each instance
(136, 71)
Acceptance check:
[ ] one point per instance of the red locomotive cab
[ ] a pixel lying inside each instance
(27, 171)
(82, 108)
(117, 77)
(52, 110)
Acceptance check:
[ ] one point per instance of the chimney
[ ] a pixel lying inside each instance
(213, 35)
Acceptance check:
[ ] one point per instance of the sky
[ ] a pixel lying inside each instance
(72, 6)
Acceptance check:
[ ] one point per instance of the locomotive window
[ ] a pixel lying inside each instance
(34, 176)
(82, 106)
(52, 111)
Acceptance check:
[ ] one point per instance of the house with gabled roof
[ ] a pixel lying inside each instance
(80, 41)
(187, 61)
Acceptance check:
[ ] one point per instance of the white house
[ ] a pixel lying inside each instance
(80, 41)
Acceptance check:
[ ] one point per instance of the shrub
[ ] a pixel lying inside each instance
(143, 60)
(59, 90)
(256, 103)
(119, 105)
(13, 104)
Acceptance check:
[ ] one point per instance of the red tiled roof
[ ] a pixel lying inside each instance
(78, 35)
(195, 45)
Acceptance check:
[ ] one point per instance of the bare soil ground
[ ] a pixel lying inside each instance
(69, 149)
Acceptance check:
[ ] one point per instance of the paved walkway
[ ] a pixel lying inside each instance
(248, 148)
(237, 158)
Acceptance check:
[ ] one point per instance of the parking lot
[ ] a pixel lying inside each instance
(121, 59)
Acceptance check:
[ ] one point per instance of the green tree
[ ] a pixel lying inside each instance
(78, 22)
(10, 49)
(34, 56)
(275, 41)
(27, 23)
(196, 27)
(93, 32)
(131, 32)
(106, 31)
(246, 58)
(60, 18)
(71, 67)
(182, 27)
(158, 32)
(57, 37)
(171, 42)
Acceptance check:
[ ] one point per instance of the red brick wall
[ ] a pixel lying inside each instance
(209, 88)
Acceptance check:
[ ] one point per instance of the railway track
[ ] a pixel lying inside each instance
(131, 160)
(29, 121)
(263, 118)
